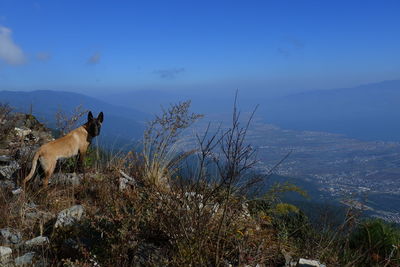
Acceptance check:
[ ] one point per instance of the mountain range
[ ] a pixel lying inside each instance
(367, 112)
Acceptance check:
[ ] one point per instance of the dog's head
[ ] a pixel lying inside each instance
(93, 125)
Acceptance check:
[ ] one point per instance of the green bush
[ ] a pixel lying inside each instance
(378, 242)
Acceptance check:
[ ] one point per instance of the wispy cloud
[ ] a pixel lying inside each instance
(10, 52)
(94, 59)
(283, 51)
(289, 45)
(294, 42)
(43, 56)
(169, 73)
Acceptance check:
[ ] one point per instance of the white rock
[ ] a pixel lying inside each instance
(308, 263)
(66, 179)
(125, 180)
(5, 253)
(37, 241)
(194, 197)
(25, 259)
(246, 212)
(69, 216)
(22, 132)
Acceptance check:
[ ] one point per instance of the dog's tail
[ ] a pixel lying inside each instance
(32, 172)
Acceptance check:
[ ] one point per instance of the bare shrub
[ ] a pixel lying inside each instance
(5, 111)
(6, 123)
(67, 122)
(204, 218)
(162, 149)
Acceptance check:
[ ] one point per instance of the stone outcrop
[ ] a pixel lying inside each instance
(21, 135)
(69, 216)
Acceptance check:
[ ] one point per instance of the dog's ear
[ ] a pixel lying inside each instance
(100, 117)
(90, 116)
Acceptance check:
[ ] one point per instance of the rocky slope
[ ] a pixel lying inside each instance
(112, 218)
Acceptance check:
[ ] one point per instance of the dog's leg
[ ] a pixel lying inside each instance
(81, 161)
(77, 165)
(48, 172)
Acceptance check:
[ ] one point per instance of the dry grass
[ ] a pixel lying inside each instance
(192, 218)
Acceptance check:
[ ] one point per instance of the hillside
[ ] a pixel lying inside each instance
(123, 125)
(152, 208)
(337, 166)
(365, 167)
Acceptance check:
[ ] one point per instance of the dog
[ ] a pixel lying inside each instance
(72, 144)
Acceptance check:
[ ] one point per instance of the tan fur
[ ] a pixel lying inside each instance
(74, 143)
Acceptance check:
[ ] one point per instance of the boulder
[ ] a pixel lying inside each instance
(69, 216)
(6, 171)
(36, 242)
(22, 131)
(24, 260)
(309, 263)
(5, 254)
(10, 236)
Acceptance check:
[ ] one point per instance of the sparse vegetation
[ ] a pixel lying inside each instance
(162, 148)
(6, 122)
(188, 206)
(376, 243)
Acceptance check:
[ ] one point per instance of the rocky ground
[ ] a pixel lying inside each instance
(22, 135)
(60, 226)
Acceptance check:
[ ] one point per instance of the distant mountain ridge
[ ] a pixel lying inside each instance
(121, 124)
(368, 112)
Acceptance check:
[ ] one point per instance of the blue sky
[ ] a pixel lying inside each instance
(130, 45)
